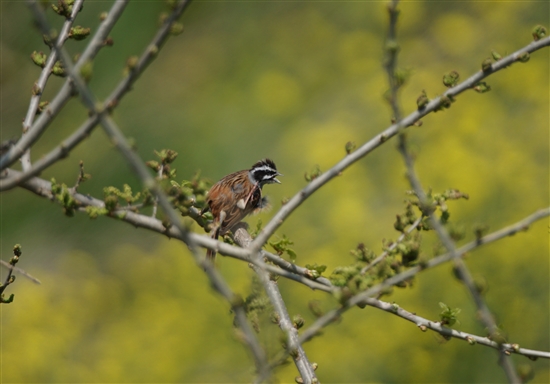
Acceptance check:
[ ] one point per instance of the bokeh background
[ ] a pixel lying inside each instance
(292, 81)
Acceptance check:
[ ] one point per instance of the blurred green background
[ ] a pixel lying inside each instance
(292, 81)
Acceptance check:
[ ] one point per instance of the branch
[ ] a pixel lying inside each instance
(381, 138)
(285, 323)
(486, 316)
(64, 94)
(118, 139)
(110, 103)
(391, 247)
(364, 297)
(43, 78)
(20, 271)
(425, 324)
(287, 270)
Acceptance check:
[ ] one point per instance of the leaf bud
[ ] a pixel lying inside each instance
(17, 250)
(422, 100)
(487, 65)
(58, 69)
(496, 55)
(524, 57)
(450, 79)
(39, 58)
(79, 32)
(350, 147)
(539, 32)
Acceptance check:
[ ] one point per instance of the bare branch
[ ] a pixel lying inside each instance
(381, 138)
(110, 103)
(425, 324)
(363, 297)
(118, 139)
(285, 323)
(383, 255)
(44, 75)
(20, 271)
(62, 96)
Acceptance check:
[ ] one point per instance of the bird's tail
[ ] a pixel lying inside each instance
(210, 253)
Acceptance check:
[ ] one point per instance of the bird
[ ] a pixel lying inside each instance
(237, 195)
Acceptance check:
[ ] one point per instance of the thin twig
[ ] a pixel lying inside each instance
(20, 271)
(118, 139)
(271, 288)
(381, 138)
(425, 324)
(64, 94)
(363, 298)
(462, 271)
(384, 254)
(40, 84)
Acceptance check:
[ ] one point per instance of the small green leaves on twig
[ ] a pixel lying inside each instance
(480, 230)
(281, 246)
(422, 100)
(350, 279)
(406, 219)
(16, 253)
(63, 7)
(39, 58)
(167, 156)
(437, 201)
(126, 194)
(451, 79)
(298, 321)
(131, 63)
(444, 103)
(10, 278)
(487, 65)
(350, 147)
(79, 33)
(108, 42)
(43, 104)
(82, 176)
(176, 28)
(524, 57)
(496, 56)
(36, 90)
(481, 87)
(188, 193)
(401, 76)
(95, 212)
(539, 32)
(48, 40)
(315, 173)
(315, 270)
(62, 194)
(162, 167)
(362, 253)
(86, 71)
(58, 69)
(448, 316)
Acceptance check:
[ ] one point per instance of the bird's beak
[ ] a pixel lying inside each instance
(276, 180)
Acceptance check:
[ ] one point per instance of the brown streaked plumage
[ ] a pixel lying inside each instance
(237, 195)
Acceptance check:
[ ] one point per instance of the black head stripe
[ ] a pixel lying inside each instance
(265, 163)
(263, 170)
